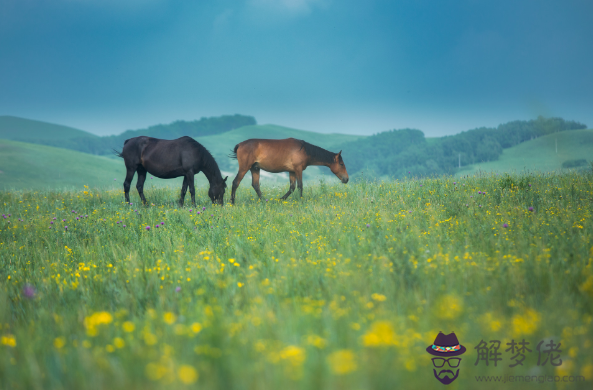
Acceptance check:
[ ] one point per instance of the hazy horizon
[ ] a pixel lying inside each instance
(317, 65)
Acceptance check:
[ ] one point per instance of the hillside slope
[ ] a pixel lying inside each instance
(14, 128)
(29, 166)
(540, 154)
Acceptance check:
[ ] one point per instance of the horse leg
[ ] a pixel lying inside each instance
(192, 189)
(128, 182)
(292, 177)
(140, 183)
(183, 191)
(236, 183)
(299, 177)
(255, 180)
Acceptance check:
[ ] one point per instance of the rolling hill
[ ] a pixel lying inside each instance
(30, 166)
(540, 154)
(224, 143)
(25, 166)
(15, 128)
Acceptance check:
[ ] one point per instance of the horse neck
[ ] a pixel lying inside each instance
(212, 174)
(314, 161)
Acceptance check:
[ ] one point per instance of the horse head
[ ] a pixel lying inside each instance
(339, 169)
(216, 191)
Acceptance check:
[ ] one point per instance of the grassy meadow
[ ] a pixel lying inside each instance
(343, 289)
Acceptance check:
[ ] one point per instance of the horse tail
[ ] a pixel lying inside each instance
(119, 154)
(234, 152)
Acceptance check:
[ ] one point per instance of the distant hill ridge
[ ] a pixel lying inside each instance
(38, 132)
(399, 153)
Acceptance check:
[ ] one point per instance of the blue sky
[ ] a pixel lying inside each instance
(323, 65)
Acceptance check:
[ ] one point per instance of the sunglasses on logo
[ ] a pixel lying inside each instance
(440, 362)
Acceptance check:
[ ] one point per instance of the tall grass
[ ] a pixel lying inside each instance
(343, 289)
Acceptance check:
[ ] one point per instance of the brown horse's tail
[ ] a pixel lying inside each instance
(234, 152)
(118, 154)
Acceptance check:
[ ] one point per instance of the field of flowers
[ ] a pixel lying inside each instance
(343, 289)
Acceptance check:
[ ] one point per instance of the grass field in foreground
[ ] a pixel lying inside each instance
(344, 289)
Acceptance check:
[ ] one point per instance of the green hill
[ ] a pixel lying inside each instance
(14, 128)
(29, 166)
(222, 144)
(540, 154)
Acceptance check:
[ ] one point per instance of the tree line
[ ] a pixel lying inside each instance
(197, 128)
(398, 153)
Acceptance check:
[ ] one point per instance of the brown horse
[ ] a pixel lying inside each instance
(283, 155)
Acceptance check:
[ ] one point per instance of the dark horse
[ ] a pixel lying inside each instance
(168, 159)
(283, 155)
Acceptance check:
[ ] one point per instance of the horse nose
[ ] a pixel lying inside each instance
(345, 180)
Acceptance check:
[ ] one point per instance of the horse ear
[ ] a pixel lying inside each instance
(339, 156)
(225, 179)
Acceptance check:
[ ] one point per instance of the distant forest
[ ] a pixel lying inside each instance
(197, 128)
(398, 153)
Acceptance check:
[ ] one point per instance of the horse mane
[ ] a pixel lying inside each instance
(318, 153)
(210, 163)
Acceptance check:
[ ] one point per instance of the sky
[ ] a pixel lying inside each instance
(332, 66)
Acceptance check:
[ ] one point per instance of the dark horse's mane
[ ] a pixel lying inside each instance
(318, 153)
(210, 163)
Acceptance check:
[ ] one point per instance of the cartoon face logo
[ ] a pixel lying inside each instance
(446, 348)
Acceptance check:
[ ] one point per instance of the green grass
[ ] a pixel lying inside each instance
(540, 154)
(12, 127)
(344, 289)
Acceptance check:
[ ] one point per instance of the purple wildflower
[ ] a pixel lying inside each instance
(162, 223)
(203, 208)
(505, 225)
(51, 222)
(157, 226)
(531, 209)
(147, 227)
(479, 192)
(454, 182)
(77, 218)
(190, 210)
(65, 227)
(368, 225)
(29, 291)
(114, 179)
(177, 289)
(63, 220)
(124, 225)
(410, 211)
